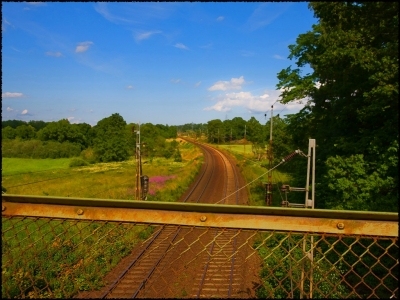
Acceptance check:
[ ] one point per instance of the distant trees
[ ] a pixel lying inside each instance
(110, 140)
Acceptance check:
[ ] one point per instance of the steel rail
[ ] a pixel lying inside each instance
(217, 232)
(197, 182)
(209, 157)
(140, 254)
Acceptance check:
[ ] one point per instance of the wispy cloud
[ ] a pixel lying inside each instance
(175, 80)
(83, 46)
(278, 56)
(129, 87)
(5, 24)
(220, 18)
(55, 54)
(197, 84)
(145, 35)
(11, 95)
(208, 46)
(233, 84)
(246, 53)
(181, 46)
(265, 14)
(9, 109)
(36, 3)
(136, 12)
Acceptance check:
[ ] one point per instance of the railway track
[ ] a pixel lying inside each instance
(205, 262)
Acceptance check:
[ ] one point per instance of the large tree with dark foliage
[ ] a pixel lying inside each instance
(352, 108)
(111, 139)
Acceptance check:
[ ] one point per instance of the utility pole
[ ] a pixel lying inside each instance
(244, 144)
(138, 164)
(268, 197)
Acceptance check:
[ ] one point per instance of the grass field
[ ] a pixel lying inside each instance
(117, 180)
(11, 166)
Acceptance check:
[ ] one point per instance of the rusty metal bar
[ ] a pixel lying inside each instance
(227, 216)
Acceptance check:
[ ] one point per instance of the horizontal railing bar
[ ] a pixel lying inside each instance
(202, 219)
(195, 207)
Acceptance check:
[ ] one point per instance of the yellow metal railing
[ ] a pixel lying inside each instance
(67, 247)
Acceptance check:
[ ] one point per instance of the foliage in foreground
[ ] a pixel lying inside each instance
(352, 109)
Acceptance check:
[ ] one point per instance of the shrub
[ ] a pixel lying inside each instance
(78, 162)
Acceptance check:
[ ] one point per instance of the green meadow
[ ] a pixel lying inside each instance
(115, 180)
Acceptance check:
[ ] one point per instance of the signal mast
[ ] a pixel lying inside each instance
(268, 186)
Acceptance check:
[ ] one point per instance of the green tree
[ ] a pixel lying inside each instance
(62, 131)
(37, 124)
(111, 141)
(12, 123)
(8, 133)
(351, 94)
(215, 131)
(25, 132)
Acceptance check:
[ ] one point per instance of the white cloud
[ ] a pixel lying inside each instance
(278, 56)
(24, 112)
(252, 103)
(70, 118)
(11, 95)
(83, 46)
(129, 87)
(9, 109)
(233, 84)
(145, 35)
(220, 18)
(197, 84)
(55, 54)
(181, 46)
(175, 80)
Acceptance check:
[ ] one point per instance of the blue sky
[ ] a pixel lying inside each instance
(164, 63)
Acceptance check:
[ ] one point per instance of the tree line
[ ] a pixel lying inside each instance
(111, 139)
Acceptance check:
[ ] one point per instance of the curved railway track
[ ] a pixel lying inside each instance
(208, 257)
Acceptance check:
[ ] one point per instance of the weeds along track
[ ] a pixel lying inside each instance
(177, 261)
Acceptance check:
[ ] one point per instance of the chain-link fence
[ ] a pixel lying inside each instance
(45, 256)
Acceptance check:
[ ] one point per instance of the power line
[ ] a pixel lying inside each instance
(32, 172)
(40, 181)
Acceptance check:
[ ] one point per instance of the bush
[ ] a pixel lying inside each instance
(89, 155)
(78, 162)
(38, 149)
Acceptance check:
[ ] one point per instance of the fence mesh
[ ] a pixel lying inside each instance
(59, 258)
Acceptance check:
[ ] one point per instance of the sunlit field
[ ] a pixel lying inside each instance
(116, 180)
